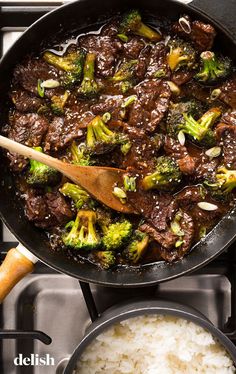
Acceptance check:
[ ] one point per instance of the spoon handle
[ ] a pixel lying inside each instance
(28, 152)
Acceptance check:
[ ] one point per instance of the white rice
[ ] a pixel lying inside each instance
(155, 344)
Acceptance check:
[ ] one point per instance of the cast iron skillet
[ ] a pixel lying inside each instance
(84, 15)
(136, 308)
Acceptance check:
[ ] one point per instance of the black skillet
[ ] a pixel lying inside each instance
(87, 15)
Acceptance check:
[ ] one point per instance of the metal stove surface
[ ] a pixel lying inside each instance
(54, 303)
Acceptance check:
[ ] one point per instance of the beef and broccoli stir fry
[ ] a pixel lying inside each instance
(157, 102)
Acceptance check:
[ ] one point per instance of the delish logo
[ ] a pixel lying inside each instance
(34, 360)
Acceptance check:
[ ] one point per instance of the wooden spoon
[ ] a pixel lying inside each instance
(97, 181)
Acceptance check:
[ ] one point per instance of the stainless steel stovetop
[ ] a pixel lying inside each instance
(54, 303)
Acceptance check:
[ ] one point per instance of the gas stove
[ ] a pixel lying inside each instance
(48, 312)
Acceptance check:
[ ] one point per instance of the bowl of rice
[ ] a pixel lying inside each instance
(153, 337)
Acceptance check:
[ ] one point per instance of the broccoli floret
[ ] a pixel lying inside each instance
(126, 75)
(58, 103)
(105, 259)
(181, 54)
(89, 87)
(72, 62)
(166, 176)
(221, 183)
(116, 235)
(137, 247)
(82, 234)
(214, 188)
(132, 23)
(41, 175)
(213, 68)
(126, 71)
(100, 139)
(226, 179)
(79, 155)
(176, 111)
(70, 238)
(75, 193)
(201, 130)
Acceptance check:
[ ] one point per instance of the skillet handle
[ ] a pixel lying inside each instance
(17, 263)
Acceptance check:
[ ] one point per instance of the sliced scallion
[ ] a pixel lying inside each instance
(204, 205)
(50, 83)
(40, 88)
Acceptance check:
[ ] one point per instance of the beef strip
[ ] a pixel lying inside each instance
(187, 200)
(107, 50)
(153, 207)
(228, 92)
(110, 29)
(25, 101)
(58, 207)
(173, 254)
(227, 135)
(141, 156)
(76, 120)
(28, 74)
(133, 47)
(143, 60)
(182, 77)
(158, 215)
(111, 104)
(17, 163)
(48, 210)
(206, 168)
(194, 90)
(167, 239)
(158, 61)
(229, 118)
(36, 210)
(61, 134)
(202, 35)
(207, 218)
(187, 226)
(187, 163)
(173, 148)
(152, 102)
(77, 113)
(28, 129)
